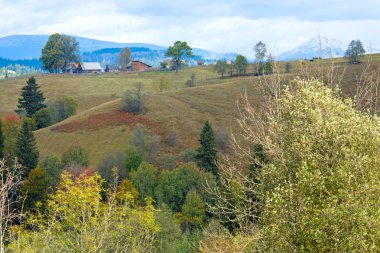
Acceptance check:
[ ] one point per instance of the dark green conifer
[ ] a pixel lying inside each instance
(26, 147)
(32, 98)
(207, 154)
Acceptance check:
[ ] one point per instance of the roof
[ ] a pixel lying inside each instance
(91, 66)
(143, 63)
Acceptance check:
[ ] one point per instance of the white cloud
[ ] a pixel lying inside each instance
(221, 26)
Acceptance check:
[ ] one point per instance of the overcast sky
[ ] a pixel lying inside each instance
(221, 26)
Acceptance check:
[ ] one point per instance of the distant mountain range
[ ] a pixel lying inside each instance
(27, 47)
(18, 47)
(318, 47)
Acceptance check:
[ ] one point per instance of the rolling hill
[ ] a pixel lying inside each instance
(100, 125)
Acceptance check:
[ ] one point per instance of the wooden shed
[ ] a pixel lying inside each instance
(90, 67)
(139, 66)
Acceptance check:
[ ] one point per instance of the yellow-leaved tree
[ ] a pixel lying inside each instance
(80, 219)
(318, 188)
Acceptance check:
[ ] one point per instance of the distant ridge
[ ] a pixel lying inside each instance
(17, 47)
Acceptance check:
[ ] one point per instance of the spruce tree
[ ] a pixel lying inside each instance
(206, 157)
(1, 140)
(32, 98)
(26, 147)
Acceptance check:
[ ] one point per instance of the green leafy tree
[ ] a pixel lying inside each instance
(174, 185)
(53, 168)
(179, 52)
(355, 51)
(193, 214)
(34, 190)
(42, 118)
(58, 51)
(241, 64)
(231, 69)
(207, 154)
(145, 179)
(107, 166)
(32, 98)
(26, 147)
(170, 231)
(221, 67)
(260, 54)
(133, 159)
(74, 156)
(1, 140)
(260, 51)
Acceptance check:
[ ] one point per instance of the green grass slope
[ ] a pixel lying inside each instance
(101, 127)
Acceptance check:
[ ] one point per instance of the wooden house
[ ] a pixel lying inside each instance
(138, 66)
(89, 67)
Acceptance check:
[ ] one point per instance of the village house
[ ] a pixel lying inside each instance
(84, 67)
(201, 62)
(138, 66)
(89, 67)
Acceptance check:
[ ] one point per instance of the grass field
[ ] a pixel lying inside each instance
(101, 127)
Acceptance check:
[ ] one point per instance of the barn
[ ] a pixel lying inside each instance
(139, 66)
(90, 67)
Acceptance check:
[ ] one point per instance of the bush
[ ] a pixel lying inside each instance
(188, 155)
(34, 191)
(62, 109)
(75, 156)
(145, 143)
(222, 139)
(192, 81)
(288, 67)
(42, 118)
(320, 189)
(109, 162)
(171, 138)
(169, 162)
(132, 100)
(163, 83)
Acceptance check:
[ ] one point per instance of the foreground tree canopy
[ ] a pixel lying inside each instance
(319, 190)
(58, 51)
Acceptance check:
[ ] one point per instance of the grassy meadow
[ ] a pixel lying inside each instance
(101, 127)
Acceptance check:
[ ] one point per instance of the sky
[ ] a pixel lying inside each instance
(220, 26)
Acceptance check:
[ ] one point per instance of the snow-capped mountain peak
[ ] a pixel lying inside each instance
(316, 47)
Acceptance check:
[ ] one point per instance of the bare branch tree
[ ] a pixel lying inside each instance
(10, 181)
